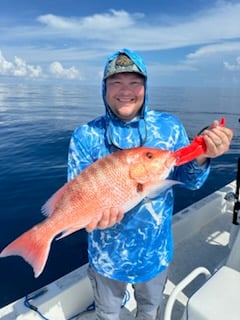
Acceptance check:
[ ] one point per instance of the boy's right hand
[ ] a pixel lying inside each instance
(107, 220)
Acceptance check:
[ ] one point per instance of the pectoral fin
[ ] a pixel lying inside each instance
(152, 190)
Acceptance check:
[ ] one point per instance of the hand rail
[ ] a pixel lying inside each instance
(180, 286)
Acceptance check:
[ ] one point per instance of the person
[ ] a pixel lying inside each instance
(137, 247)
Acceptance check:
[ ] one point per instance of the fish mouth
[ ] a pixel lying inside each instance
(169, 164)
(170, 161)
(165, 166)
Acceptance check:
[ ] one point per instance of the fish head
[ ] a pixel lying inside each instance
(147, 164)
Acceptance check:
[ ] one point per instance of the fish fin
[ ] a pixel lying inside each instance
(153, 190)
(48, 208)
(68, 232)
(33, 248)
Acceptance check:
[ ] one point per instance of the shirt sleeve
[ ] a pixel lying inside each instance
(78, 157)
(192, 174)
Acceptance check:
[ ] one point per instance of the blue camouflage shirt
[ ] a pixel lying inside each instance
(140, 246)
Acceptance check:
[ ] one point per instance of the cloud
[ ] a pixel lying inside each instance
(18, 68)
(202, 40)
(57, 69)
(118, 28)
(139, 31)
(97, 22)
(170, 69)
(214, 49)
(233, 67)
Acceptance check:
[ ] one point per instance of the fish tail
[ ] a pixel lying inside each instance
(32, 247)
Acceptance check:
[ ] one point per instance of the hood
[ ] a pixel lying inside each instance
(120, 134)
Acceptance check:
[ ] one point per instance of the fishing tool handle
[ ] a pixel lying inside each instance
(236, 207)
(196, 148)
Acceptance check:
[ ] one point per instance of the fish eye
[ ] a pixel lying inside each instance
(149, 155)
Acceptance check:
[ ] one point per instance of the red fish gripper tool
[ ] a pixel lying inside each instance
(195, 149)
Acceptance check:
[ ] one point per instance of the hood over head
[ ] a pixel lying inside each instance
(122, 134)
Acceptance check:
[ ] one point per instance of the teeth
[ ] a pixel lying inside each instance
(125, 100)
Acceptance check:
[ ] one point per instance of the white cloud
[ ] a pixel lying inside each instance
(169, 69)
(214, 58)
(138, 31)
(57, 69)
(18, 68)
(118, 28)
(98, 22)
(5, 66)
(233, 67)
(214, 50)
(84, 42)
(56, 22)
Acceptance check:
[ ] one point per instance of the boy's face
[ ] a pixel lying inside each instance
(125, 94)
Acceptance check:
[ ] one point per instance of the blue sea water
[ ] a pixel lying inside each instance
(36, 122)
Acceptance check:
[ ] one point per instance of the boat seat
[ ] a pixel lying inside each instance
(218, 298)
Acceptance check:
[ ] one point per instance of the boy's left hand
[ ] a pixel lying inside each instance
(217, 139)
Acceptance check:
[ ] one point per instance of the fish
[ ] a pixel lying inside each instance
(119, 180)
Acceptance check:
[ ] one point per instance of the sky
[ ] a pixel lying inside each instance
(183, 42)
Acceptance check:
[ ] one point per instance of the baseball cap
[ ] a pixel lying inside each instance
(122, 63)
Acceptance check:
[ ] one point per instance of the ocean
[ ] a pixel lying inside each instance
(36, 122)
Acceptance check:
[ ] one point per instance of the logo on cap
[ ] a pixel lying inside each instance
(123, 61)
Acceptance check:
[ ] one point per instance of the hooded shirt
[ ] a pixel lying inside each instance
(140, 246)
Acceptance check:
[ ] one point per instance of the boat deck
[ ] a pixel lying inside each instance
(207, 248)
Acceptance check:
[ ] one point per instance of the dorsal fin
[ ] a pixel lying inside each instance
(49, 207)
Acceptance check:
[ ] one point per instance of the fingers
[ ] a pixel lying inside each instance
(217, 140)
(108, 219)
(92, 225)
(214, 124)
